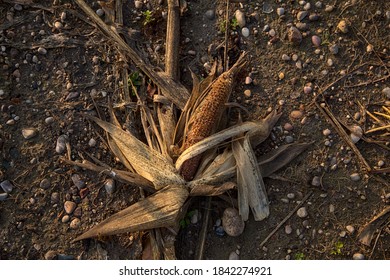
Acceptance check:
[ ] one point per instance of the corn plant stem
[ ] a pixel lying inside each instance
(226, 59)
(285, 219)
(172, 40)
(173, 90)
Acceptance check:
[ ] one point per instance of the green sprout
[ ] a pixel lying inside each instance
(337, 248)
(299, 256)
(148, 17)
(187, 219)
(233, 25)
(133, 81)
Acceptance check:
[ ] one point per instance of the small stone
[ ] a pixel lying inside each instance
(307, 6)
(75, 223)
(326, 132)
(49, 120)
(95, 59)
(65, 219)
(219, 231)
(380, 163)
(55, 197)
(245, 32)
(307, 89)
(18, 7)
(35, 59)
(77, 181)
(232, 222)
(210, 14)
(92, 142)
(109, 186)
(314, 17)
(62, 140)
(6, 186)
(285, 57)
(358, 256)
(280, 11)
(302, 212)
(78, 212)
(329, 8)
(29, 133)
(288, 229)
(316, 181)
(100, 12)
(303, 26)
(294, 57)
(69, 206)
(138, 4)
(318, 4)
(44, 184)
(355, 177)
(296, 114)
(58, 25)
(191, 52)
(10, 122)
(42, 51)
(302, 14)
(234, 256)
(248, 80)
(50, 255)
(343, 26)
(281, 76)
(240, 17)
(332, 208)
(63, 16)
(386, 91)
(316, 40)
(369, 48)
(247, 93)
(334, 49)
(195, 217)
(294, 35)
(290, 195)
(288, 127)
(3, 196)
(329, 62)
(350, 229)
(272, 33)
(289, 139)
(266, 28)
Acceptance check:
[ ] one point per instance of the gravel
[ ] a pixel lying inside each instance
(232, 222)
(302, 212)
(44, 184)
(69, 206)
(358, 256)
(355, 177)
(29, 133)
(7, 186)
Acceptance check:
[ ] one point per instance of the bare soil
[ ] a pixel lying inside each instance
(80, 59)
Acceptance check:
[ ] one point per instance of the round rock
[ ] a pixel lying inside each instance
(69, 206)
(302, 212)
(210, 14)
(355, 177)
(288, 229)
(386, 91)
(232, 222)
(240, 17)
(316, 40)
(245, 32)
(75, 223)
(296, 114)
(109, 186)
(44, 184)
(7, 186)
(29, 133)
(294, 35)
(358, 256)
(62, 140)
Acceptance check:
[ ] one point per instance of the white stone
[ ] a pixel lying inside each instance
(302, 212)
(245, 32)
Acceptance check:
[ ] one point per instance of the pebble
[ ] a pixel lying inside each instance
(240, 17)
(302, 212)
(138, 4)
(62, 140)
(289, 139)
(78, 212)
(314, 17)
(288, 126)
(58, 25)
(326, 132)
(296, 114)
(334, 49)
(248, 80)
(100, 12)
(288, 229)
(77, 181)
(380, 163)
(69, 206)
(386, 91)
(65, 219)
(316, 40)
(316, 181)
(281, 76)
(343, 234)
(55, 197)
(42, 51)
(358, 256)
(355, 177)
(49, 120)
(350, 229)
(266, 28)
(35, 59)
(195, 217)
(75, 223)
(109, 186)
(7, 186)
(232, 222)
(272, 33)
(50, 255)
(29, 133)
(369, 48)
(247, 93)
(210, 14)
(343, 26)
(245, 32)
(329, 62)
(219, 231)
(290, 195)
(307, 89)
(280, 11)
(332, 208)
(285, 57)
(329, 8)
(302, 14)
(303, 26)
(318, 4)
(234, 256)
(92, 142)
(307, 6)
(44, 184)
(63, 16)
(294, 35)
(3, 196)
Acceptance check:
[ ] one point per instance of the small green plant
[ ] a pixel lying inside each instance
(134, 81)
(148, 17)
(337, 248)
(187, 219)
(233, 25)
(299, 256)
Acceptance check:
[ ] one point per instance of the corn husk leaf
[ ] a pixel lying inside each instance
(158, 210)
(146, 162)
(251, 188)
(166, 120)
(210, 190)
(264, 128)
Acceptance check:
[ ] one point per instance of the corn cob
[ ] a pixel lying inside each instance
(207, 116)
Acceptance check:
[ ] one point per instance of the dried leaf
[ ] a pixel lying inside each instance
(367, 233)
(158, 210)
(210, 190)
(147, 162)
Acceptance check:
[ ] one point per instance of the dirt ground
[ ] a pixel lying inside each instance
(53, 60)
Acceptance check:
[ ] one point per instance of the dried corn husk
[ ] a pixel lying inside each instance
(158, 210)
(147, 162)
(251, 188)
